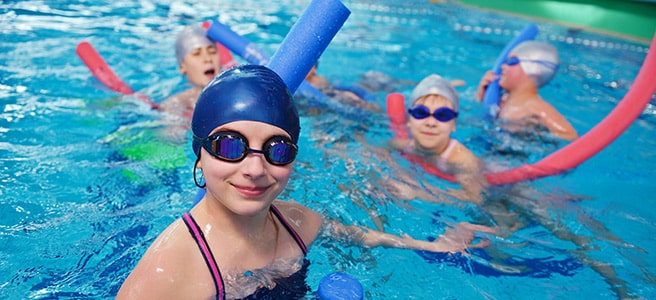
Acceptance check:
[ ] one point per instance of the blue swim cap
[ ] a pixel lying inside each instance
(245, 93)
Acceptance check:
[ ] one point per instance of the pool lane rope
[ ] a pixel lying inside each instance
(571, 155)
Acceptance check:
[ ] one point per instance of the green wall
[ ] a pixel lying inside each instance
(631, 19)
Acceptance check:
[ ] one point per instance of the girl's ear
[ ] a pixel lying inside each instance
(182, 69)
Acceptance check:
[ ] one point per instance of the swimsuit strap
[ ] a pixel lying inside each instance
(445, 154)
(289, 228)
(205, 250)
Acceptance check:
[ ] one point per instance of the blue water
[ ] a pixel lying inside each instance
(78, 210)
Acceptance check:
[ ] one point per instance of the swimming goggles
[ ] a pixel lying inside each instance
(442, 114)
(514, 60)
(232, 146)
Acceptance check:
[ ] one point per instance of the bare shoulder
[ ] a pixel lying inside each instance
(400, 144)
(167, 269)
(180, 101)
(304, 220)
(547, 112)
(540, 104)
(462, 152)
(295, 211)
(464, 157)
(171, 101)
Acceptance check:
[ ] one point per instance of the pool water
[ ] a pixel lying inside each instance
(88, 182)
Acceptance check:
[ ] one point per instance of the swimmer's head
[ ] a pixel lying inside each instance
(189, 39)
(539, 60)
(245, 93)
(435, 85)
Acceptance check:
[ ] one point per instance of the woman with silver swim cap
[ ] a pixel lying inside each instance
(240, 240)
(529, 66)
(199, 61)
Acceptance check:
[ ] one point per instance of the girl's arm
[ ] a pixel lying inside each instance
(455, 239)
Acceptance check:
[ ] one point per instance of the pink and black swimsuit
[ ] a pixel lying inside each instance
(292, 287)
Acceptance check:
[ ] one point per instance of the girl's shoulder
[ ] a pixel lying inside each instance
(303, 220)
(295, 211)
(170, 264)
(400, 144)
(461, 155)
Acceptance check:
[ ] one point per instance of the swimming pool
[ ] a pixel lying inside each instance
(79, 205)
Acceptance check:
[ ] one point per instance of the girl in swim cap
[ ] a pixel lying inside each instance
(529, 66)
(240, 240)
(433, 111)
(198, 60)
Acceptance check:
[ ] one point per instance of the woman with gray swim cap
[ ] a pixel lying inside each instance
(240, 240)
(529, 66)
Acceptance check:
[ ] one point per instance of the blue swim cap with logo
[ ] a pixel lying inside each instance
(245, 93)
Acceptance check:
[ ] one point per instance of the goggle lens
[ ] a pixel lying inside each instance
(281, 152)
(229, 147)
(511, 61)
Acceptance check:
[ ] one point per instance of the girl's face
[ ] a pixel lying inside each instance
(429, 134)
(201, 65)
(249, 186)
(512, 76)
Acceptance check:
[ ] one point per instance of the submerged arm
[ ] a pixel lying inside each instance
(453, 240)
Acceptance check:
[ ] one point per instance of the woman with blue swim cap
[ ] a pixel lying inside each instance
(241, 241)
(529, 66)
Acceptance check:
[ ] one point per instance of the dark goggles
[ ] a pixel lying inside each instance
(511, 61)
(442, 114)
(231, 146)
